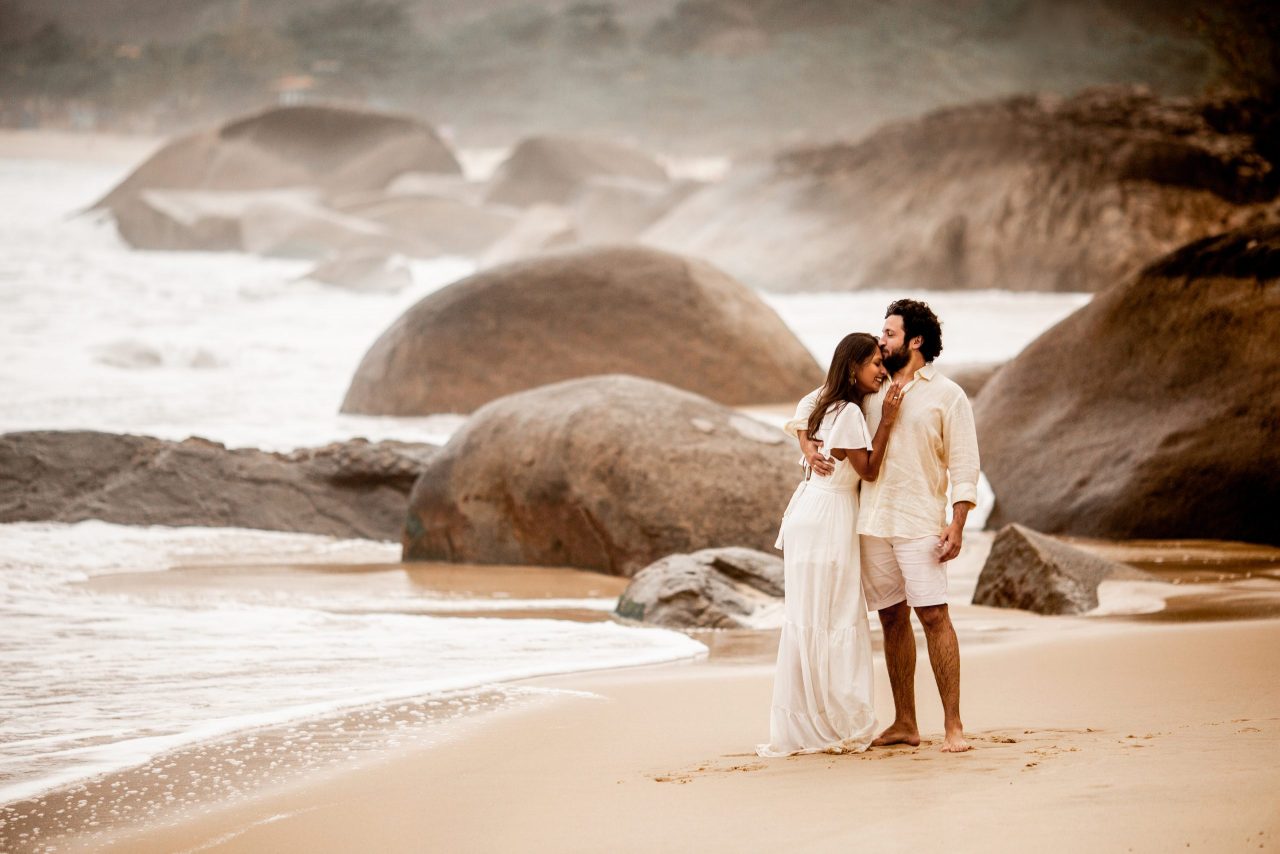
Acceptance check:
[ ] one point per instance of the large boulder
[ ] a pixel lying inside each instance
(1028, 570)
(553, 169)
(593, 311)
(348, 489)
(1153, 411)
(1023, 194)
(331, 149)
(606, 473)
(713, 588)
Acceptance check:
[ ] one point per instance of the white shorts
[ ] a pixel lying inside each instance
(897, 569)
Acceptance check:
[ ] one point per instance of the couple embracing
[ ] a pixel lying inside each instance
(868, 530)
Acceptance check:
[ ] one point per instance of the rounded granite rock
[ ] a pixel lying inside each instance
(608, 473)
(1153, 411)
(584, 312)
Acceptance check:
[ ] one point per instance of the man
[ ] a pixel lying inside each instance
(906, 539)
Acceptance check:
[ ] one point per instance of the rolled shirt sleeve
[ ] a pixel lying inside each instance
(960, 436)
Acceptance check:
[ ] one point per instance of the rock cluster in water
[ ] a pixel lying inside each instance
(1151, 412)
(329, 182)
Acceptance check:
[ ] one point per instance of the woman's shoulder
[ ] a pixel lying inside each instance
(834, 413)
(845, 422)
(842, 412)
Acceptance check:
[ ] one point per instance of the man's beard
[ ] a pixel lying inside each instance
(896, 360)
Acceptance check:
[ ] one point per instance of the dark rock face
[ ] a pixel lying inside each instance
(332, 149)
(553, 169)
(712, 588)
(1154, 411)
(594, 311)
(1033, 572)
(606, 473)
(1023, 194)
(349, 489)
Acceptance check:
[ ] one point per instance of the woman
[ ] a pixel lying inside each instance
(822, 698)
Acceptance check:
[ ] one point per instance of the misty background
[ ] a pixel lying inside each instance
(683, 75)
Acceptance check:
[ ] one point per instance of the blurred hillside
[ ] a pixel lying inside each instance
(690, 75)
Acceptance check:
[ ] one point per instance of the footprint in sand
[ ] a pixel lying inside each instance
(703, 769)
(1039, 745)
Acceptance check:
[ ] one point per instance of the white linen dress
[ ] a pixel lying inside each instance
(822, 690)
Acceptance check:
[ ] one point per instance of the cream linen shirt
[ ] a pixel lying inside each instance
(933, 439)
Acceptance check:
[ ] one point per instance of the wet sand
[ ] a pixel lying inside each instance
(433, 580)
(430, 589)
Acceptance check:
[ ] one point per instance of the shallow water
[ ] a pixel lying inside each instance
(99, 680)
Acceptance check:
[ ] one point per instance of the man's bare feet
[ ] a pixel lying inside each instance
(954, 742)
(898, 734)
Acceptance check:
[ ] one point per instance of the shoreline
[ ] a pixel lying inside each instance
(1136, 736)
(1233, 582)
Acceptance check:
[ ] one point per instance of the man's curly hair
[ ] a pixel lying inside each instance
(919, 319)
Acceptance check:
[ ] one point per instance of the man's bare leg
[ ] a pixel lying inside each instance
(944, 656)
(900, 656)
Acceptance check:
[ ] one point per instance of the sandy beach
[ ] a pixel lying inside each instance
(1133, 738)
(1101, 736)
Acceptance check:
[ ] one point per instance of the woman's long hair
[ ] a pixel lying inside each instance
(853, 349)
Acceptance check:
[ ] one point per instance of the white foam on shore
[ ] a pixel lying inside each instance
(98, 681)
(1128, 598)
(60, 552)
(232, 347)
